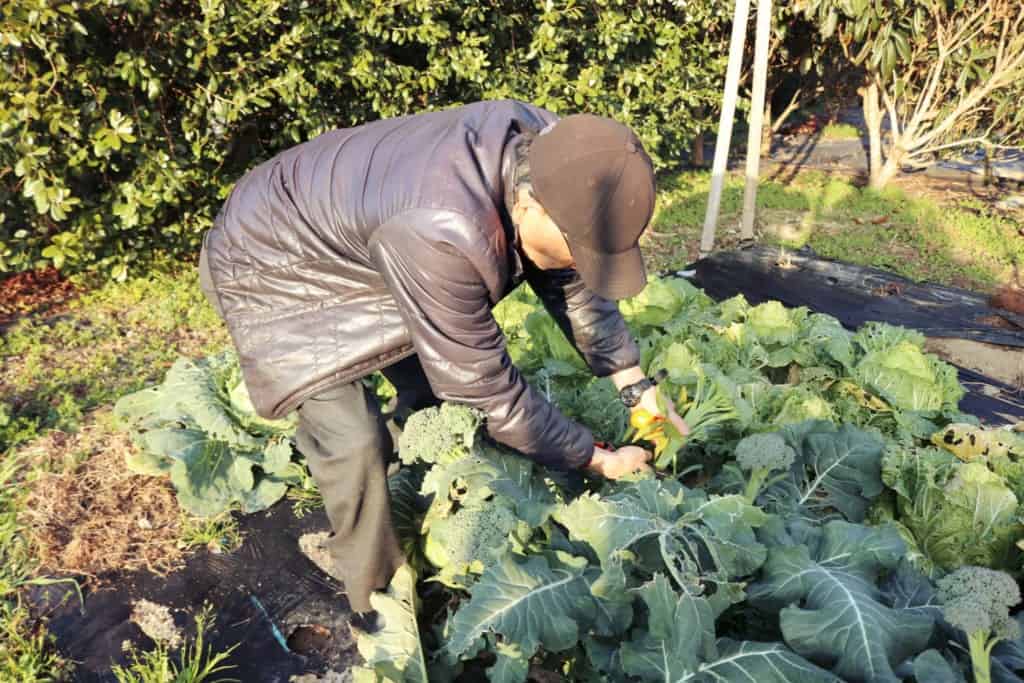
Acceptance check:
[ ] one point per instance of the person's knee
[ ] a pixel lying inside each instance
(368, 442)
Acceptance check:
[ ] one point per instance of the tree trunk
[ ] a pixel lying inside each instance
(888, 171)
(873, 121)
(697, 157)
(766, 132)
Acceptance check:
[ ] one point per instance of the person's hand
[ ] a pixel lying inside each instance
(649, 402)
(619, 463)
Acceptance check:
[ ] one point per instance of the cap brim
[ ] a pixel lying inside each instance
(613, 276)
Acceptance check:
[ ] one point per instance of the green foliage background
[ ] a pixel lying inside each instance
(124, 123)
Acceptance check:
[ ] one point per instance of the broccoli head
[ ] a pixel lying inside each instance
(759, 455)
(977, 601)
(469, 539)
(441, 434)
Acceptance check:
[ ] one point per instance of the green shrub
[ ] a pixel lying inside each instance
(124, 123)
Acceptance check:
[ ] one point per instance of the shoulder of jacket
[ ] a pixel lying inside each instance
(456, 228)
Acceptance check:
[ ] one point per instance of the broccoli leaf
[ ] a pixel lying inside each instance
(510, 665)
(680, 634)
(529, 602)
(700, 541)
(395, 652)
(614, 523)
(679, 645)
(612, 599)
(825, 581)
(407, 508)
(752, 661)
(837, 470)
(931, 667)
(491, 471)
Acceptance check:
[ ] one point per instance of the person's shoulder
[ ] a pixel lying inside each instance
(452, 230)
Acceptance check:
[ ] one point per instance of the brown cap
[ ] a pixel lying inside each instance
(593, 177)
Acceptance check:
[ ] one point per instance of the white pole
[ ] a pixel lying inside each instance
(764, 28)
(732, 82)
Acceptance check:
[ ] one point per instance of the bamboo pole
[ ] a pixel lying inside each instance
(764, 29)
(732, 82)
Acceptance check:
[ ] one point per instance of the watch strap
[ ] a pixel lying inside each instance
(630, 395)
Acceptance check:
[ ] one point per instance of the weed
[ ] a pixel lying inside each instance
(840, 131)
(196, 662)
(220, 534)
(306, 496)
(26, 650)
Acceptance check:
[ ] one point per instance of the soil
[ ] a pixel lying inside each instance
(93, 518)
(34, 292)
(999, 362)
(1009, 298)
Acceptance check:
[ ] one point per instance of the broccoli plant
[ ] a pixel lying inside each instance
(470, 539)
(977, 601)
(760, 455)
(440, 435)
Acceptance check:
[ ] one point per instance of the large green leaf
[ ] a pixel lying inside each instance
(616, 522)
(678, 644)
(825, 580)
(613, 600)
(760, 662)
(680, 634)
(394, 652)
(195, 425)
(837, 471)
(702, 542)
(529, 602)
(407, 508)
(510, 665)
(491, 471)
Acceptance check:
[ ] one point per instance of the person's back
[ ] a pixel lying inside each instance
(289, 255)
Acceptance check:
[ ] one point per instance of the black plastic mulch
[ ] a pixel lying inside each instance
(283, 614)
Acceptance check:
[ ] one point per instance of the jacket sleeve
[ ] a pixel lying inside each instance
(445, 305)
(590, 322)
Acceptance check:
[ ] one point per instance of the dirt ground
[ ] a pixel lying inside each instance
(999, 362)
(34, 292)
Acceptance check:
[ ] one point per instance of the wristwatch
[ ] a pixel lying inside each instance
(630, 395)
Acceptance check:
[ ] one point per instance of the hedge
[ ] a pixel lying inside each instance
(124, 123)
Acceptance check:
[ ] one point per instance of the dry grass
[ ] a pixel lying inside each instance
(93, 517)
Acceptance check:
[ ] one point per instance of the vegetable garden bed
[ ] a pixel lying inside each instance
(800, 533)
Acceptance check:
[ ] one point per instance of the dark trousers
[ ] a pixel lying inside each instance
(348, 445)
